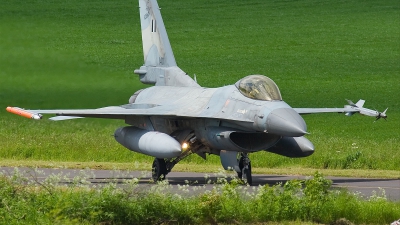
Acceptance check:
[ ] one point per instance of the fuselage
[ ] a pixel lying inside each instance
(222, 118)
(226, 104)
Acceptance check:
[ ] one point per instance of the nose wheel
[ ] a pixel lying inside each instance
(245, 169)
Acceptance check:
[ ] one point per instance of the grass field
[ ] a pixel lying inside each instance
(311, 201)
(81, 54)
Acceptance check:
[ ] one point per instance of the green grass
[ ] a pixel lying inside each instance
(30, 201)
(81, 54)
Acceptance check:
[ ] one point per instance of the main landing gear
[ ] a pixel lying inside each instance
(245, 168)
(159, 169)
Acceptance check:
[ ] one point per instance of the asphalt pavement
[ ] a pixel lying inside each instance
(203, 181)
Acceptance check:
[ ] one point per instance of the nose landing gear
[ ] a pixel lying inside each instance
(245, 168)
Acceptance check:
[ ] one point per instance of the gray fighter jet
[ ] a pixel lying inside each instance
(177, 117)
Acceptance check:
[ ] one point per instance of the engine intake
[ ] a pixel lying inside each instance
(221, 138)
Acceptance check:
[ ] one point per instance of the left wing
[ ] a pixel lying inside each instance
(348, 110)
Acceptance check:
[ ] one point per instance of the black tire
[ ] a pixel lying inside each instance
(246, 175)
(159, 169)
(240, 174)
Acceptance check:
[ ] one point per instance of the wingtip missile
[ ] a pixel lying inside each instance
(24, 113)
(359, 108)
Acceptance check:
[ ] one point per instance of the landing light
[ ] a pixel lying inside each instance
(185, 146)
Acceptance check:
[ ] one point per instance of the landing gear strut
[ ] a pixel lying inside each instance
(159, 169)
(245, 168)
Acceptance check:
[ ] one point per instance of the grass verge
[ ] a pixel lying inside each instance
(33, 202)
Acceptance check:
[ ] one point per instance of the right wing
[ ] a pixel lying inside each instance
(128, 110)
(111, 112)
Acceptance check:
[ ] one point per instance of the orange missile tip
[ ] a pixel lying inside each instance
(23, 113)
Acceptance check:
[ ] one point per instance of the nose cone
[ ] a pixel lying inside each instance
(286, 122)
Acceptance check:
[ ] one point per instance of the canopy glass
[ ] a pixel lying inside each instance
(259, 87)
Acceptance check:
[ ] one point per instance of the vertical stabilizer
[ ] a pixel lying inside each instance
(159, 62)
(156, 47)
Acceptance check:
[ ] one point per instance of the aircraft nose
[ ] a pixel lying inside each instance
(286, 122)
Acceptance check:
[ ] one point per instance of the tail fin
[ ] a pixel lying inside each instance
(159, 62)
(156, 47)
(360, 103)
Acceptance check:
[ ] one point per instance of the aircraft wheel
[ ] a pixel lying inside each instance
(246, 174)
(159, 169)
(240, 174)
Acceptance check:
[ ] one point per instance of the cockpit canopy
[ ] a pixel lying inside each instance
(259, 87)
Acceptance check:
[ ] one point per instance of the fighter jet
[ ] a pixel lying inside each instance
(177, 117)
